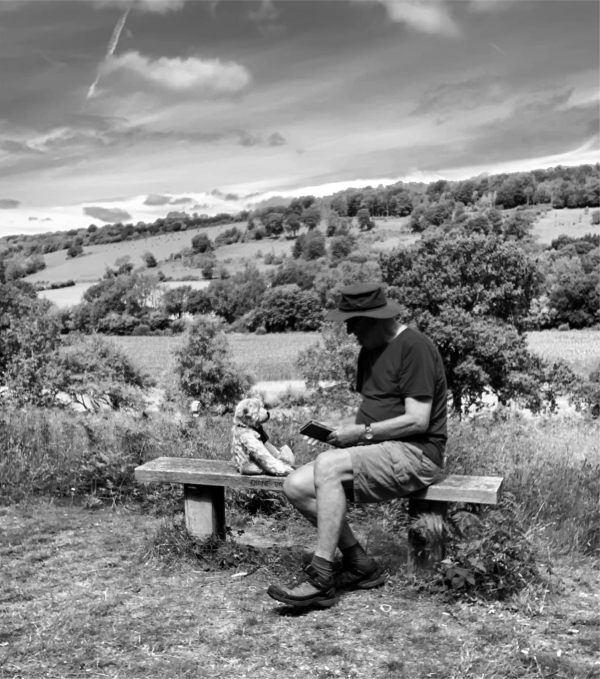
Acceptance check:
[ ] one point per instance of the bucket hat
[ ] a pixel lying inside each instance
(363, 299)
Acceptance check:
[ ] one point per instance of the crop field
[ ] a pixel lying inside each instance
(273, 356)
(580, 349)
(267, 357)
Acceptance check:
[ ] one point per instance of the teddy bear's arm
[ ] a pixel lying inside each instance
(259, 454)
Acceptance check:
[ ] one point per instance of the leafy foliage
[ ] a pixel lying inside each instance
(287, 307)
(93, 372)
(206, 369)
(30, 337)
(489, 556)
(471, 295)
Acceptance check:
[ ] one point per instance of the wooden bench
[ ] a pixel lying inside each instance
(204, 483)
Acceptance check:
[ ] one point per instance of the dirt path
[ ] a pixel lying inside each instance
(81, 598)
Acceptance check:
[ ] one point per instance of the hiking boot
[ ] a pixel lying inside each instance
(348, 576)
(352, 577)
(314, 592)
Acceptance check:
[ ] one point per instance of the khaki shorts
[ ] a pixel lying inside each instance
(389, 469)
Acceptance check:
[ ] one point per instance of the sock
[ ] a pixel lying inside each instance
(323, 567)
(356, 557)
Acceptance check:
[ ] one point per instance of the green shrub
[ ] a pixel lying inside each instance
(489, 556)
(206, 368)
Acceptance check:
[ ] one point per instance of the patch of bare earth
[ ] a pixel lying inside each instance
(80, 597)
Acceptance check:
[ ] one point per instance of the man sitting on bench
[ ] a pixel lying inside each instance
(394, 448)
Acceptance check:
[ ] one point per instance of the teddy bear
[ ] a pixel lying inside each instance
(251, 450)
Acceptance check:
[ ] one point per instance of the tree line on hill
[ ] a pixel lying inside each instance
(558, 187)
(475, 283)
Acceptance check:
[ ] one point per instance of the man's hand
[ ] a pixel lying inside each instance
(346, 435)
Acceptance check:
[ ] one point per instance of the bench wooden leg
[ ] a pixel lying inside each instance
(205, 510)
(426, 534)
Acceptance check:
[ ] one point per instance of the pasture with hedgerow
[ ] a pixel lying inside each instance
(100, 577)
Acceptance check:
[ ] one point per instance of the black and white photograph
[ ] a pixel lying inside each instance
(300, 339)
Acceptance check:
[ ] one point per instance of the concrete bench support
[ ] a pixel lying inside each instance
(204, 510)
(204, 483)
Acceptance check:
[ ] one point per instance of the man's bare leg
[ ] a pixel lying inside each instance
(329, 513)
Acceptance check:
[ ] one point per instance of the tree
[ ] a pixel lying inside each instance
(340, 247)
(363, 217)
(233, 297)
(75, 249)
(311, 216)
(201, 243)
(471, 295)
(94, 372)
(292, 271)
(206, 369)
(149, 260)
(273, 222)
(30, 337)
(292, 223)
(482, 275)
(175, 300)
(313, 245)
(287, 307)
(129, 294)
(331, 359)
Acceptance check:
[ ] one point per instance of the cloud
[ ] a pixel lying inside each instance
(105, 214)
(436, 16)
(276, 139)
(224, 196)
(426, 16)
(157, 6)
(490, 5)
(8, 204)
(183, 76)
(156, 199)
(266, 17)
(247, 138)
(448, 97)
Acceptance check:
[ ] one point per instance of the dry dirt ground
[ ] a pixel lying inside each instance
(84, 594)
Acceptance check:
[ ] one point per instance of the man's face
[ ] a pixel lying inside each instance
(370, 332)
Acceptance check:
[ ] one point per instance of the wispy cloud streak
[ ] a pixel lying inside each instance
(110, 50)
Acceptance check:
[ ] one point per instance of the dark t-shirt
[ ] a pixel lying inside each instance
(410, 365)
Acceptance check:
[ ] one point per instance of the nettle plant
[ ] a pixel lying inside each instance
(489, 555)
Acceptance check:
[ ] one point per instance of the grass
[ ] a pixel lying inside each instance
(574, 222)
(579, 348)
(84, 595)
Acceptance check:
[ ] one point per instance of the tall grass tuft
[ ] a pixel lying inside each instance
(551, 465)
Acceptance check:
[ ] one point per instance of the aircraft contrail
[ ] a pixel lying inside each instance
(110, 50)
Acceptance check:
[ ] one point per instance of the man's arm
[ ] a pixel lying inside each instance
(414, 421)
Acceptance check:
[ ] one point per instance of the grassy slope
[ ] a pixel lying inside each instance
(81, 597)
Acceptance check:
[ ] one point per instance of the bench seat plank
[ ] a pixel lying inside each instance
(193, 471)
(483, 490)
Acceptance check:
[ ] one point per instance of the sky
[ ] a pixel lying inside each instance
(125, 110)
